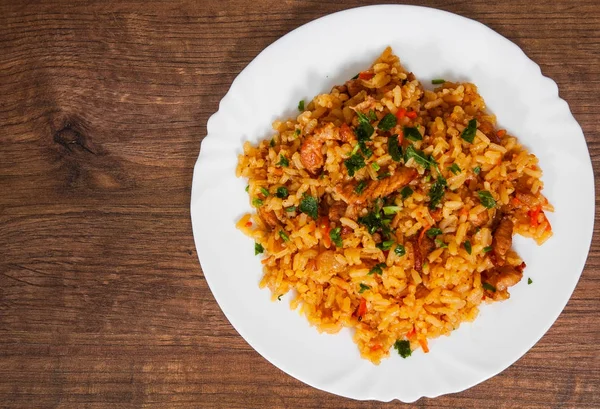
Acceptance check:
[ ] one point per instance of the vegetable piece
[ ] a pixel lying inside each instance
(394, 148)
(488, 287)
(434, 231)
(362, 309)
(403, 348)
(412, 134)
(487, 249)
(282, 192)
(290, 209)
(355, 77)
(297, 132)
(258, 248)
(383, 176)
(256, 202)
(284, 236)
(354, 163)
(419, 157)
(372, 115)
(436, 193)
(360, 187)
(389, 210)
(309, 206)
(365, 75)
(272, 143)
(469, 132)
(441, 244)
(529, 281)
(401, 113)
(372, 221)
(375, 166)
(301, 105)
(386, 245)
(377, 269)
(283, 161)
(486, 199)
(387, 122)
(336, 236)
(476, 170)
(454, 169)
(468, 246)
(438, 81)
(247, 187)
(264, 191)
(400, 250)
(406, 192)
(363, 288)
(411, 114)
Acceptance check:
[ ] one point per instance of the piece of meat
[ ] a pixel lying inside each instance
(421, 248)
(268, 217)
(502, 239)
(480, 219)
(326, 262)
(376, 188)
(488, 129)
(501, 278)
(354, 87)
(347, 134)
(336, 211)
(311, 155)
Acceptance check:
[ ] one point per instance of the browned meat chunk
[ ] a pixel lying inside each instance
(500, 279)
(376, 188)
(421, 248)
(502, 239)
(336, 211)
(488, 129)
(347, 134)
(480, 219)
(268, 217)
(354, 87)
(311, 155)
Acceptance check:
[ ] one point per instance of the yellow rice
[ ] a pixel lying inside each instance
(401, 303)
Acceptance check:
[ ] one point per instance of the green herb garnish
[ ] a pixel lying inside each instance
(264, 191)
(412, 134)
(279, 297)
(469, 133)
(354, 163)
(297, 132)
(419, 157)
(476, 170)
(438, 81)
(406, 192)
(440, 243)
(310, 206)
(436, 193)
(394, 148)
(372, 221)
(301, 105)
(434, 231)
(284, 236)
(372, 115)
(336, 236)
(256, 202)
(375, 166)
(488, 286)
(247, 187)
(487, 249)
(377, 269)
(383, 176)
(290, 209)
(486, 199)
(403, 348)
(468, 246)
(360, 187)
(400, 250)
(363, 288)
(282, 192)
(454, 169)
(389, 210)
(387, 122)
(258, 248)
(355, 77)
(283, 161)
(529, 281)
(386, 245)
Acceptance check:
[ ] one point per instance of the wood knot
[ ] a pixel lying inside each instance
(72, 140)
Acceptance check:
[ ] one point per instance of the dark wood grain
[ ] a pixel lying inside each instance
(102, 300)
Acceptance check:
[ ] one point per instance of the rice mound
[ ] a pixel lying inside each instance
(390, 209)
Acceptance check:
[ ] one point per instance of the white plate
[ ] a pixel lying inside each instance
(432, 44)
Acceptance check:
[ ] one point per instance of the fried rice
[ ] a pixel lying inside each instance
(390, 209)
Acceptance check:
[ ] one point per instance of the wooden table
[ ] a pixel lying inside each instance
(102, 300)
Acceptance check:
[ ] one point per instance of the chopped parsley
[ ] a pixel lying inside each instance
(436, 193)
(336, 236)
(301, 105)
(403, 348)
(362, 117)
(282, 192)
(394, 148)
(283, 161)
(386, 245)
(354, 163)
(363, 133)
(375, 166)
(440, 243)
(487, 249)
(412, 134)
(454, 169)
(438, 81)
(468, 246)
(419, 157)
(284, 236)
(279, 297)
(372, 221)
(290, 209)
(469, 133)
(360, 187)
(372, 115)
(383, 176)
(400, 250)
(363, 288)
(264, 191)
(297, 132)
(529, 281)
(476, 170)
(377, 269)
(406, 192)
(387, 122)
(486, 199)
(247, 187)
(389, 210)
(256, 202)
(434, 231)
(488, 287)
(258, 248)
(310, 206)
(355, 77)
(272, 143)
